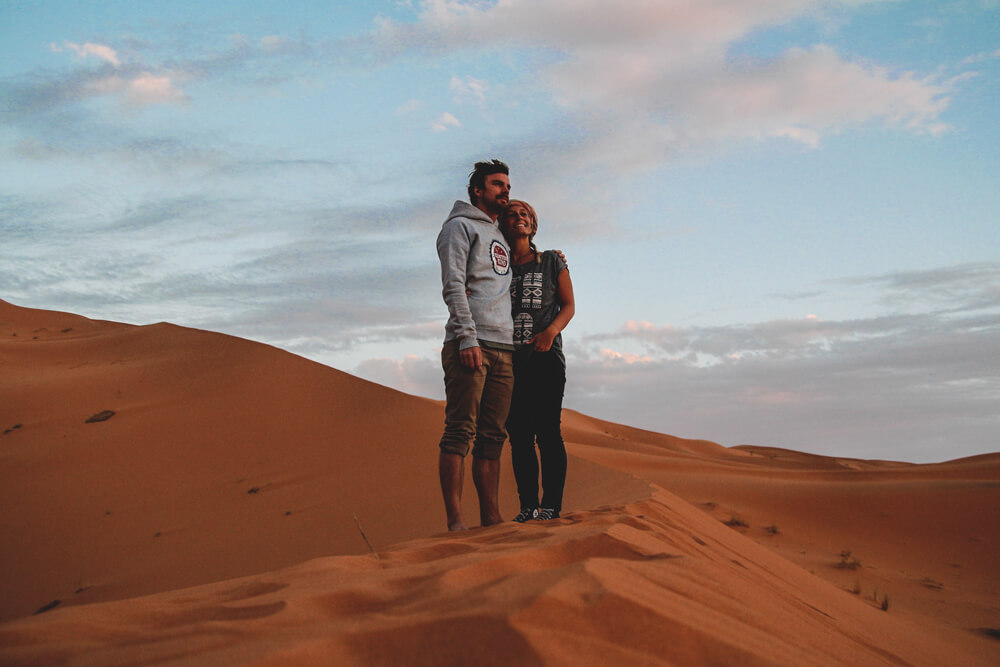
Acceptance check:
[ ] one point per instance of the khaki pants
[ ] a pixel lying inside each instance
(477, 402)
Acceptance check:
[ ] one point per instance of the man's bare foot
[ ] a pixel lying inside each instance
(457, 526)
(492, 520)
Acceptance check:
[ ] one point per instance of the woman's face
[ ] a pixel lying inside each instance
(517, 222)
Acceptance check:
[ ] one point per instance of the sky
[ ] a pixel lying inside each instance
(780, 216)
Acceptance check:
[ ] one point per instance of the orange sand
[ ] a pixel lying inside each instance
(220, 517)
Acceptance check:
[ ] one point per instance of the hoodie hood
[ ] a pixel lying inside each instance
(463, 209)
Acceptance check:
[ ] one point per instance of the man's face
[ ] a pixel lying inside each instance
(494, 194)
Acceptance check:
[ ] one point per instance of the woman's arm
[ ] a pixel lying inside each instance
(543, 341)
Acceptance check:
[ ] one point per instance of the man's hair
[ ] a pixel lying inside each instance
(477, 179)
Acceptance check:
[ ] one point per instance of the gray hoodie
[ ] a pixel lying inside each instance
(475, 256)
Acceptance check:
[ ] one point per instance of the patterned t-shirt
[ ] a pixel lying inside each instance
(533, 294)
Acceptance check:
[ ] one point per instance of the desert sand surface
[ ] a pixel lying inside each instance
(176, 496)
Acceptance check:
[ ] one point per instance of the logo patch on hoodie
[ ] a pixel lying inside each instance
(500, 257)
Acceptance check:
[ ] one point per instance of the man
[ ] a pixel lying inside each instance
(478, 372)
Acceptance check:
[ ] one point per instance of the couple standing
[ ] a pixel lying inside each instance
(504, 370)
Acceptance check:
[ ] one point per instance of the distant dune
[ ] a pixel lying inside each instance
(176, 496)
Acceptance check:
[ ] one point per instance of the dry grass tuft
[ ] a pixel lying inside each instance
(883, 603)
(361, 530)
(847, 561)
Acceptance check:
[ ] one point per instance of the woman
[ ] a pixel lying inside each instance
(542, 299)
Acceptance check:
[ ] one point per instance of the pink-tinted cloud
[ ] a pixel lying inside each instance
(135, 85)
(143, 89)
(671, 60)
(147, 89)
(100, 51)
(610, 356)
(445, 122)
(412, 374)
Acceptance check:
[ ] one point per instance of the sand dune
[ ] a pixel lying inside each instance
(223, 458)
(925, 535)
(219, 516)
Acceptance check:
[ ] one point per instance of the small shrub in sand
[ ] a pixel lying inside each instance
(772, 530)
(931, 584)
(883, 603)
(735, 521)
(847, 561)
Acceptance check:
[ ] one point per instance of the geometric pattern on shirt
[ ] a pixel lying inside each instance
(524, 325)
(531, 291)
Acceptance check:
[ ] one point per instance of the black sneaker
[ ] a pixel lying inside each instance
(545, 514)
(525, 515)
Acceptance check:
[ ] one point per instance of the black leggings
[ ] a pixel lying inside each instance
(536, 413)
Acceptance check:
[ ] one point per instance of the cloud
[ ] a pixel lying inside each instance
(409, 106)
(930, 301)
(413, 374)
(135, 83)
(924, 389)
(672, 61)
(895, 386)
(140, 89)
(308, 297)
(105, 53)
(324, 280)
(920, 387)
(468, 89)
(30, 102)
(275, 43)
(925, 393)
(981, 57)
(613, 357)
(798, 296)
(804, 94)
(954, 289)
(444, 122)
(146, 89)
(141, 80)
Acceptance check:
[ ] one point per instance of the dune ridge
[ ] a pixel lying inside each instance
(650, 582)
(220, 516)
